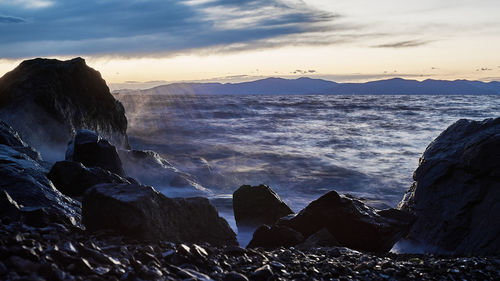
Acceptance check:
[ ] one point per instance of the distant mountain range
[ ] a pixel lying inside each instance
(304, 85)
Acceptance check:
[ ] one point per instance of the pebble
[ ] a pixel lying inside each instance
(235, 276)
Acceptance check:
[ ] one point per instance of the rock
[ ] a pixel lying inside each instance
(322, 238)
(48, 100)
(91, 150)
(353, 224)
(235, 276)
(10, 137)
(262, 273)
(8, 207)
(276, 236)
(151, 169)
(256, 205)
(143, 213)
(73, 178)
(25, 181)
(456, 194)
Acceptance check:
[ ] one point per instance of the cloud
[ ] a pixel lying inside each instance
(8, 19)
(403, 44)
(160, 27)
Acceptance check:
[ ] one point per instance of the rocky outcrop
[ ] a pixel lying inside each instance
(48, 100)
(24, 185)
(143, 213)
(456, 193)
(91, 150)
(351, 223)
(151, 169)
(256, 205)
(10, 137)
(73, 178)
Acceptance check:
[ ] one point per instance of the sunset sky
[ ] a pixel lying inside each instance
(233, 40)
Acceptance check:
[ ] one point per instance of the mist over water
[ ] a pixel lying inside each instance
(301, 146)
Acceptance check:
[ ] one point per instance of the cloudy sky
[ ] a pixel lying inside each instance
(234, 40)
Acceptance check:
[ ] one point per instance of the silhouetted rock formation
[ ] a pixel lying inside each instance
(91, 150)
(48, 100)
(351, 223)
(26, 186)
(456, 193)
(73, 178)
(143, 213)
(256, 205)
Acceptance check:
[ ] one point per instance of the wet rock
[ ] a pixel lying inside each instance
(10, 137)
(262, 273)
(270, 237)
(234, 276)
(8, 207)
(456, 191)
(91, 150)
(352, 223)
(48, 100)
(73, 178)
(151, 169)
(142, 212)
(322, 238)
(24, 179)
(256, 205)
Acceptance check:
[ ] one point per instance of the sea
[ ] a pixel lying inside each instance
(302, 146)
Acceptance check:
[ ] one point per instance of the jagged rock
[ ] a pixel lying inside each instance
(9, 137)
(24, 180)
(270, 237)
(352, 223)
(9, 207)
(73, 178)
(151, 169)
(48, 100)
(143, 213)
(456, 193)
(91, 150)
(256, 205)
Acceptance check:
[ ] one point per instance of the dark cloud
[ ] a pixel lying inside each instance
(138, 27)
(8, 19)
(403, 44)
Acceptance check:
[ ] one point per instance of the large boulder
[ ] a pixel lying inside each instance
(24, 185)
(143, 213)
(456, 193)
(256, 205)
(351, 223)
(151, 169)
(91, 150)
(48, 100)
(73, 178)
(270, 237)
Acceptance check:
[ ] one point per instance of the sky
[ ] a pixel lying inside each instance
(147, 42)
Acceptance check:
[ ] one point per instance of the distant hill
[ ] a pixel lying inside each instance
(304, 85)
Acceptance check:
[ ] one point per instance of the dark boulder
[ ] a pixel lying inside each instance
(270, 237)
(10, 137)
(26, 183)
(256, 205)
(73, 178)
(456, 193)
(91, 150)
(322, 238)
(143, 213)
(48, 100)
(151, 169)
(352, 223)
(9, 209)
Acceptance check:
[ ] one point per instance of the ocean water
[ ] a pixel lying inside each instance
(300, 145)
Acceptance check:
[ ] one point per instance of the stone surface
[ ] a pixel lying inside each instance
(91, 150)
(73, 178)
(269, 237)
(322, 238)
(10, 137)
(353, 224)
(256, 205)
(142, 212)
(48, 100)
(456, 193)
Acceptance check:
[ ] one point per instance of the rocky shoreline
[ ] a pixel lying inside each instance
(55, 252)
(92, 215)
